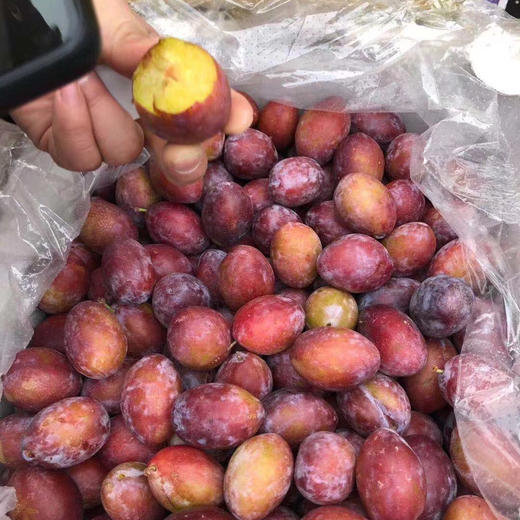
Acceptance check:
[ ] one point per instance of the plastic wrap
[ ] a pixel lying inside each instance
(435, 62)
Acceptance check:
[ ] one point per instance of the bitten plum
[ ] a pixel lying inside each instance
(399, 154)
(423, 387)
(227, 213)
(295, 181)
(324, 469)
(441, 306)
(264, 462)
(395, 293)
(105, 223)
(441, 482)
(268, 222)
(383, 127)
(174, 292)
(334, 359)
(143, 332)
(378, 403)
(324, 219)
(217, 416)
(67, 289)
(296, 415)
(248, 371)
(122, 446)
(295, 249)
(126, 495)
(355, 263)
(153, 379)
(45, 495)
(329, 307)
(365, 205)
(182, 477)
(249, 155)
(279, 121)
(399, 341)
(259, 195)
(180, 92)
(268, 324)
(94, 340)
(244, 275)
(177, 226)
(409, 201)
(321, 129)
(12, 430)
(66, 433)
(39, 377)
(108, 390)
(128, 271)
(358, 153)
(199, 338)
(390, 479)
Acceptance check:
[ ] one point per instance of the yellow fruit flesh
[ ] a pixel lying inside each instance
(174, 76)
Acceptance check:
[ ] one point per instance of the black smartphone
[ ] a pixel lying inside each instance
(44, 44)
(513, 8)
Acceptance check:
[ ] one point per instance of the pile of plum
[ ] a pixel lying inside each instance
(278, 340)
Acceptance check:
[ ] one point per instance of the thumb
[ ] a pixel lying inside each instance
(125, 36)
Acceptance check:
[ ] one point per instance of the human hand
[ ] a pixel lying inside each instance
(81, 125)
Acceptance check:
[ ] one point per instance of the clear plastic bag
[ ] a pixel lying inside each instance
(449, 67)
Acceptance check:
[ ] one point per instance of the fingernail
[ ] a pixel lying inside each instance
(69, 94)
(185, 160)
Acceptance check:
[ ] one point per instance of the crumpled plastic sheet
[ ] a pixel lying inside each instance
(433, 61)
